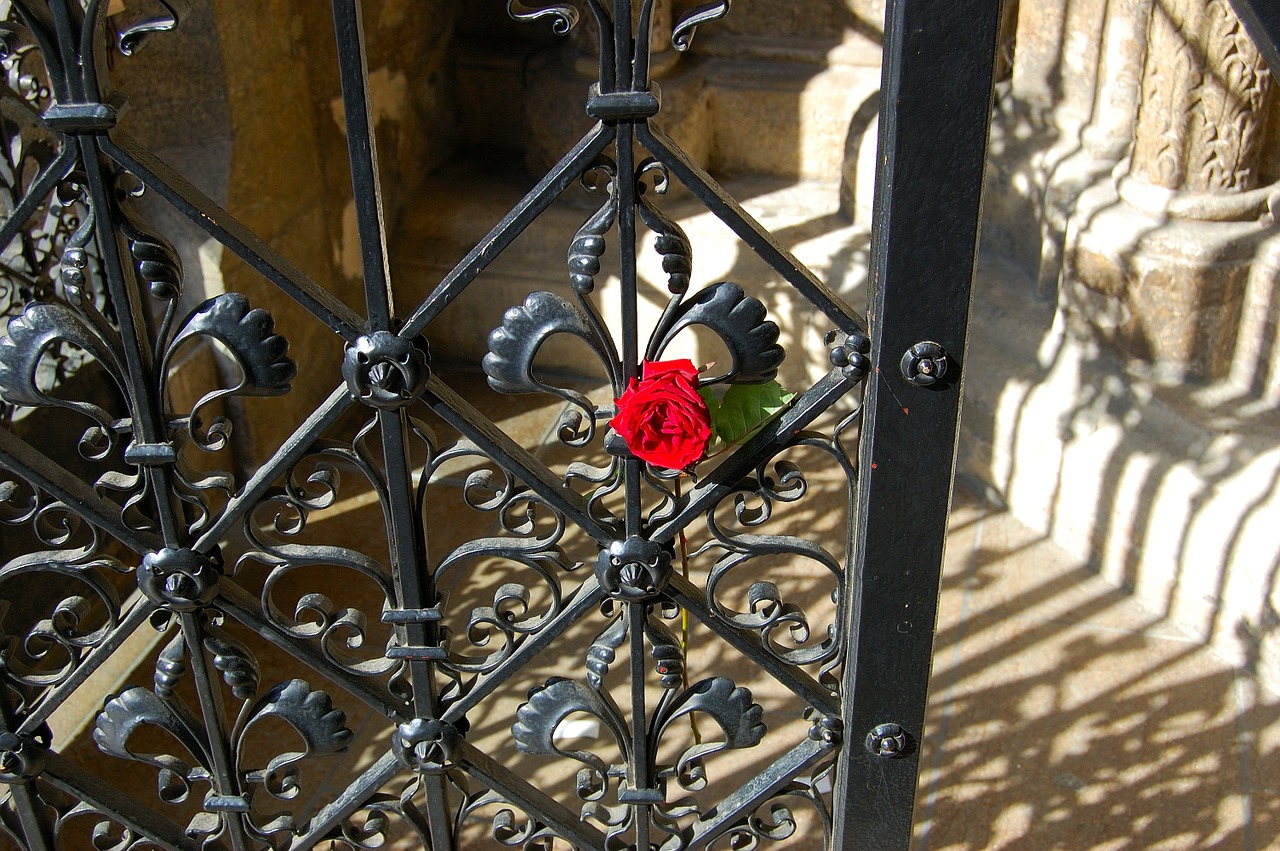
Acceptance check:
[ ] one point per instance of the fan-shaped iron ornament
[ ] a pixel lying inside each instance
(632, 576)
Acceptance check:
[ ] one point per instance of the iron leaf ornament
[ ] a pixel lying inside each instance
(434, 629)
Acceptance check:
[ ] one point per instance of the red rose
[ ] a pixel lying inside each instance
(662, 418)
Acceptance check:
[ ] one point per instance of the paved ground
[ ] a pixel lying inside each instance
(1062, 715)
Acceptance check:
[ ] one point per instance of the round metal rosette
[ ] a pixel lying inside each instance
(889, 741)
(426, 744)
(179, 580)
(634, 570)
(386, 371)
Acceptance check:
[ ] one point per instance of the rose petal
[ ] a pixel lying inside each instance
(651, 370)
(662, 418)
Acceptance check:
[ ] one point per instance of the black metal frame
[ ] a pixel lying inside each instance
(150, 522)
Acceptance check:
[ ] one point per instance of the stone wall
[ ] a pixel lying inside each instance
(246, 104)
(1128, 405)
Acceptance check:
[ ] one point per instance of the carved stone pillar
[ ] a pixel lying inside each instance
(1205, 92)
(1161, 256)
(1118, 91)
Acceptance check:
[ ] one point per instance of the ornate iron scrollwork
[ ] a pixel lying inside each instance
(170, 536)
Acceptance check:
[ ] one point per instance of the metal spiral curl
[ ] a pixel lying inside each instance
(602, 483)
(19, 499)
(195, 489)
(106, 834)
(313, 484)
(132, 36)
(46, 653)
(657, 479)
(509, 617)
(56, 525)
(784, 627)
(704, 13)
(532, 531)
(589, 244)
(564, 16)
(22, 64)
(774, 821)
(509, 824)
(576, 429)
(672, 244)
(487, 488)
(369, 827)
(771, 821)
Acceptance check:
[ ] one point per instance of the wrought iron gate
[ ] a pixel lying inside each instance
(152, 540)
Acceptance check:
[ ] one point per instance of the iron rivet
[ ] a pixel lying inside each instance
(888, 741)
(924, 364)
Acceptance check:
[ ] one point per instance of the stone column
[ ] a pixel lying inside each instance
(1159, 264)
(1205, 92)
(1118, 91)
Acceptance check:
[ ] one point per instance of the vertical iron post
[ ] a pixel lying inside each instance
(937, 91)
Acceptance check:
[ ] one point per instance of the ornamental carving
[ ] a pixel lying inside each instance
(1205, 94)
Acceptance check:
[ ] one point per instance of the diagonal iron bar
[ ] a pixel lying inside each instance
(563, 821)
(740, 803)
(355, 796)
(28, 462)
(511, 456)
(750, 231)
(226, 229)
(110, 801)
(534, 204)
(773, 437)
(690, 598)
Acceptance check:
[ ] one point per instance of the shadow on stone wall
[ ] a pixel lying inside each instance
(1160, 471)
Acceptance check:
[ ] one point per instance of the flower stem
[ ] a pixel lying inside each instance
(684, 623)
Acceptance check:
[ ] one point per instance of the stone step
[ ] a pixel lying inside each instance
(742, 104)
(459, 205)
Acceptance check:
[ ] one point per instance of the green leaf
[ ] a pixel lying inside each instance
(708, 395)
(746, 407)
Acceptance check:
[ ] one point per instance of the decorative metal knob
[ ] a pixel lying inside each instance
(849, 354)
(426, 744)
(828, 732)
(385, 371)
(888, 741)
(634, 570)
(924, 364)
(22, 757)
(179, 580)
